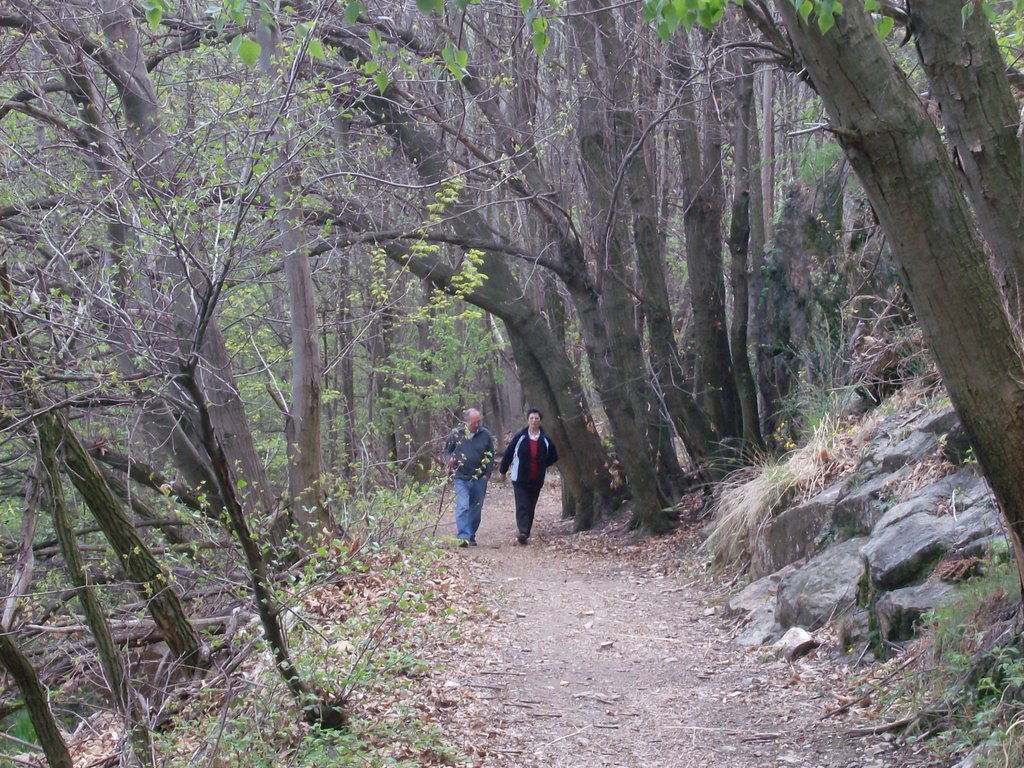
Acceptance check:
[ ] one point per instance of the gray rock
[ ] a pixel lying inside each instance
(996, 546)
(795, 643)
(857, 512)
(953, 492)
(824, 588)
(898, 612)
(912, 450)
(982, 520)
(902, 552)
(758, 593)
(795, 533)
(759, 628)
(939, 423)
(925, 502)
(967, 488)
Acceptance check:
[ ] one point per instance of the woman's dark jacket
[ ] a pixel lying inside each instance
(517, 456)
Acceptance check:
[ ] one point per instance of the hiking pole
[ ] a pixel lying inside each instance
(440, 506)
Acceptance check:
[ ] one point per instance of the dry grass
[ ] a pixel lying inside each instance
(749, 498)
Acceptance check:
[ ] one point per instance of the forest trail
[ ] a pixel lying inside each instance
(593, 650)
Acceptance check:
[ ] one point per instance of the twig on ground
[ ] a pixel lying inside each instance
(577, 732)
(874, 730)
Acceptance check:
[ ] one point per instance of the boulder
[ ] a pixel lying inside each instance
(902, 553)
(795, 533)
(759, 627)
(826, 587)
(795, 643)
(897, 612)
(912, 450)
(940, 422)
(980, 521)
(758, 593)
(756, 606)
(857, 512)
(951, 493)
(995, 547)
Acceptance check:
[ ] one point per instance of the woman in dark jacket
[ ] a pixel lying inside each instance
(528, 455)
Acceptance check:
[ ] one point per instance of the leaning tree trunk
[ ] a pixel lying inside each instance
(17, 665)
(967, 76)
(126, 702)
(316, 708)
(906, 171)
(12, 660)
(143, 571)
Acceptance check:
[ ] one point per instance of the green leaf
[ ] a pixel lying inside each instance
(315, 49)
(540, 42)
(153, 16)
(382, 80)
(247, 50)
(353, 11)
(805, 7)
(430, 6)
(455, 61)
(884, 26)
(872, 5)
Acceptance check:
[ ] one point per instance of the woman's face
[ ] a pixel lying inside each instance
(533, 420)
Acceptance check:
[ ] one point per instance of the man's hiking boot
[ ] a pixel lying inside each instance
(462, 543)
(521, 538)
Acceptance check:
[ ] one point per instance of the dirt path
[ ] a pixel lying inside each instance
(598, 652)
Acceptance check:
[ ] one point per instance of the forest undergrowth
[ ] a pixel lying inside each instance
(396, 624)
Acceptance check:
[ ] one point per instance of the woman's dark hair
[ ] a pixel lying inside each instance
(534, 410)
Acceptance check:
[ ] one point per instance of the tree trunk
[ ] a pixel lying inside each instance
(606, 307)
(701, 160)
(51, 437)
(317, 709)
(14, 662)
(142, 569)
(905, 169)
(739, 248)
(965, 70)
(231, 421)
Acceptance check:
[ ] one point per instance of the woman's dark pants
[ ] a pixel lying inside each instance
(526, 504)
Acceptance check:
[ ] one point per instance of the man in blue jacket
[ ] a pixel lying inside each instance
(469, 456)
(528, 455)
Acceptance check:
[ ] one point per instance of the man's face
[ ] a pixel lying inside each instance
(533, 420)
(473, 421)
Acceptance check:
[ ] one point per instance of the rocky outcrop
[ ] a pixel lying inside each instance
(829, 585)
(897, 613)
(865, 543)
